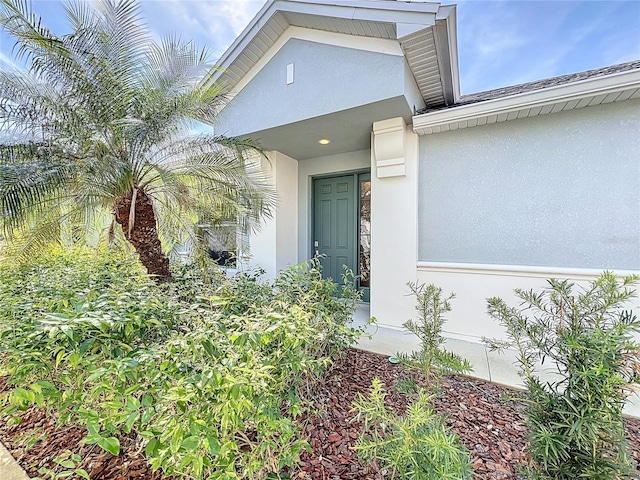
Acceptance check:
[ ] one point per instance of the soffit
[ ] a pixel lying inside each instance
(342, 25)
(425, 31)
(421, 54)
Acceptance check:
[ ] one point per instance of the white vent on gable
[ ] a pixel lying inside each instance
(290, 74)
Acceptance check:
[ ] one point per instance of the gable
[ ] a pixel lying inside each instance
(325, 79)
(421, 31)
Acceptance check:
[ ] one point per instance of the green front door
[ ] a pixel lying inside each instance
(341, 227)
(335, 224)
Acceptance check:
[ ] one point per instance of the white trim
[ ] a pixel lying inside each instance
(509, 108)
(350, 9)
(446, 39)
(365, 10)
(377, 45)
(518, 270)
(392, 17)
(389, 147)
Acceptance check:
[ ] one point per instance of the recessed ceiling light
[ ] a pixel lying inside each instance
(324, 141)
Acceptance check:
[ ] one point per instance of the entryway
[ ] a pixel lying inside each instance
(342, 226)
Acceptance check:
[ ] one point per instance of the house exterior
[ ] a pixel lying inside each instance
(382, 166)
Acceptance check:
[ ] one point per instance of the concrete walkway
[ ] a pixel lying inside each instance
(487, 365)
(9, 468)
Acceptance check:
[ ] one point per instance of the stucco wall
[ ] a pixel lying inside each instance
(559, 190)
(327, 79)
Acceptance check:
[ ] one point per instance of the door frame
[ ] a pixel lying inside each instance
(356, 173)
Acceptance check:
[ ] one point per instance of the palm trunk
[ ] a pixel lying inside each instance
(143, 234)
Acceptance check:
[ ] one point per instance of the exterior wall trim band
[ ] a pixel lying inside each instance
(517, 270)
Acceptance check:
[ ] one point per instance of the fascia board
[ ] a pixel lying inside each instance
(246, 36)
(441, 39)
(445, 12)
(447, 16)
(445, 38)
(539, 98)
(379, 11)
(393, 5)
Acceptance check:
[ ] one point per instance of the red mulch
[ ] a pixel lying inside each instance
(54, 442)
(489, 425)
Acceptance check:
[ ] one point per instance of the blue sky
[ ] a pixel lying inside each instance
(500, 42)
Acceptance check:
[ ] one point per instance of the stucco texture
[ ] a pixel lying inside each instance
(327, 79)
(558, 190)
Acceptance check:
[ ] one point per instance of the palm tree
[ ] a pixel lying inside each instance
(103, 123)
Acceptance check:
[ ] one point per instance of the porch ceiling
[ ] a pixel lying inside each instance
(348, 130)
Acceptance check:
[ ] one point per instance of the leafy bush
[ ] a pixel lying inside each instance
(416, 446)
(209, 374)
(432, 358)
(575, 422)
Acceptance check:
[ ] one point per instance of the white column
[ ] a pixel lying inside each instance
(286, 211)
(394, 213)
(275, 245)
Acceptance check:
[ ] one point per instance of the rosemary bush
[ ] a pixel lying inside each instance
(575, 421)
(433, 359)
(416, 446)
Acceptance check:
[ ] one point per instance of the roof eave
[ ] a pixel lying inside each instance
(593, 91)
(408, 13)
(446, 38)
(410, 22)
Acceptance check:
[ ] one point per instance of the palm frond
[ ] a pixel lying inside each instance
(28, 105)
(176, 228)
(29, 244)
(221, 175)
(30, 175)
(18, 19)
(110, 111)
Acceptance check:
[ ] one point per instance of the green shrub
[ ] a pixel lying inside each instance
(575, 421)
(432, 358)
(209, 372)
(416, 446)
(67, 464)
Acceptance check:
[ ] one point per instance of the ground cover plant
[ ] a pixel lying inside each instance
(490, 426)
(590, 340)
(206, 374)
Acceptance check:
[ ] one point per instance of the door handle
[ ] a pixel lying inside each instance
(315, 245)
